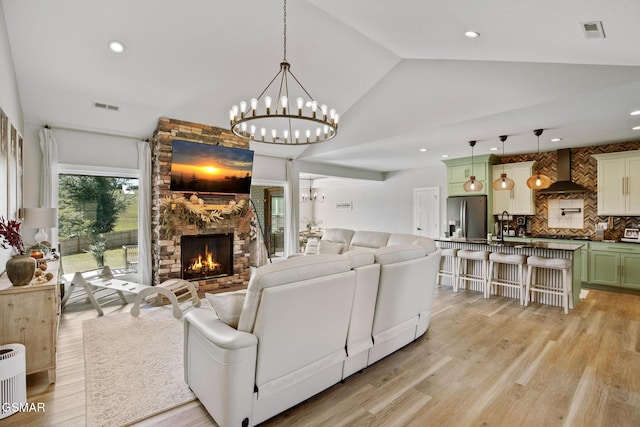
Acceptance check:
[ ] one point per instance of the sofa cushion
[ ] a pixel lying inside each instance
(370, 239)
(399, 253)
(412, 239)
(289, 271)
(428, 243)
(327, 247)
(227, 305)
(402, 239)
(360, 257)
(312, 246)
(338, 235)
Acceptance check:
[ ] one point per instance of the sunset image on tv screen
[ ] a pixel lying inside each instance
(197, 167)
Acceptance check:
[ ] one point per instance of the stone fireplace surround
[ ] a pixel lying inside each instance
(166, 257)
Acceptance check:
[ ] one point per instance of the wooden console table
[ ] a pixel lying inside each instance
(30, 316)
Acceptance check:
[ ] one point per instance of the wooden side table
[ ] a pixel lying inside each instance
(30, 315)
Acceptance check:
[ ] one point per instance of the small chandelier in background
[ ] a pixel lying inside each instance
(538, 181)
(305, 122)
(504, 182)
(312, 197)
(472, 184)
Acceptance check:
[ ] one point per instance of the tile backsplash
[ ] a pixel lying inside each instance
(584, 171)
(566, 214)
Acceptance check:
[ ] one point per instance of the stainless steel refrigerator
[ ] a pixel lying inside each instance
(469, 213)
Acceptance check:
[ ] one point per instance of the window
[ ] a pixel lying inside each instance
(98, 222)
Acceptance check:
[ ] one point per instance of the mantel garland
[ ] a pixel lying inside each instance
(183, 210)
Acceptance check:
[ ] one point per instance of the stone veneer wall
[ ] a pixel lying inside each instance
(166, 248)
(584, 171)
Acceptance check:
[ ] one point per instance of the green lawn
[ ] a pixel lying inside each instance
(128, 220)
(83, 261)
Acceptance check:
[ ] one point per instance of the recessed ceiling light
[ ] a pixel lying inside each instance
(635, 113)
(493, 149)
(423, 149)
(444, 156)
(116, 46)
(635, 128)
(472, 34)
(556, 139)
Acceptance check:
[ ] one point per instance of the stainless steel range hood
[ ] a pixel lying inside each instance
(564, 183)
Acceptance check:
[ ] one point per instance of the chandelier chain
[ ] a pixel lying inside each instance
(285, 30)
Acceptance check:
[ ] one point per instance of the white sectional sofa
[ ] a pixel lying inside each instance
(309, 322)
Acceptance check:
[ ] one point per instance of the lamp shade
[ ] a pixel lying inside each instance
(41, 217)
(472, 185)
(503, 183)
(539, 181)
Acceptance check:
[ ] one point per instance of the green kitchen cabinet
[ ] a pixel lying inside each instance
(615, 264)
(605, 267)
(460, 170)
(461, 173)
(584, 270)
(630, 270)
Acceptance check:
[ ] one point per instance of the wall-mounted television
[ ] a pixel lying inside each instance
(205, 168)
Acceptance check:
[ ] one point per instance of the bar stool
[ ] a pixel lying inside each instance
(496, 279)
(564, 265)
(469, 271)
(447, 256)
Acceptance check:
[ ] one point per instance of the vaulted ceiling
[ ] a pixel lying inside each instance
(401, 73)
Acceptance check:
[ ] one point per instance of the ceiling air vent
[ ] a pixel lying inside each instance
(592, 29)
(106, 106)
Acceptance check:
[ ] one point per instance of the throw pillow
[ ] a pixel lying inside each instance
(312, 246)
(228, 305)
(327, 247)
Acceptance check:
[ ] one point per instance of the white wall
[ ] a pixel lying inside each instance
(9, 95)
(377, 206)
(269, 169)
(11, 105)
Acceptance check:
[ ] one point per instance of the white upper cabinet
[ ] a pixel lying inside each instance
(619, 183)
(521, 199)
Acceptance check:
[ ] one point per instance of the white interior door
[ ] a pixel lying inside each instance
(426, 211)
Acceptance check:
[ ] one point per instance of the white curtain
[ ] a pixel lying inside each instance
(291, 207)
(49, 177)
(144, 213)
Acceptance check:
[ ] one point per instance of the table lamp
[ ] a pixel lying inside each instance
(40, 218)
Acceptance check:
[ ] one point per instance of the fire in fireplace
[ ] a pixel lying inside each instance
(206, 256)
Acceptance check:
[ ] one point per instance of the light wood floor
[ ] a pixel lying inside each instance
(482, 363)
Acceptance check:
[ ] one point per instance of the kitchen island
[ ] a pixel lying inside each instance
(572, 251)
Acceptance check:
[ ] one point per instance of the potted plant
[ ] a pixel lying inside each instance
(20, 267)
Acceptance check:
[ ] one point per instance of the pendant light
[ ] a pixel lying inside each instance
(538, 181)
(504, 182)
(472, 184)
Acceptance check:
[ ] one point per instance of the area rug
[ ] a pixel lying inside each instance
(133, 366)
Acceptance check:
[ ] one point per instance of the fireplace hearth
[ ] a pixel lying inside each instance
(206, 256)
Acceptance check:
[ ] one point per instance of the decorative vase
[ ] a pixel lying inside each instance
(20, 269)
